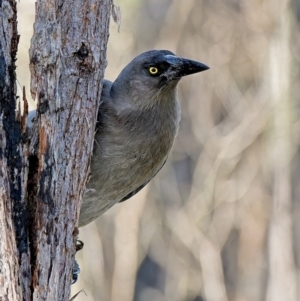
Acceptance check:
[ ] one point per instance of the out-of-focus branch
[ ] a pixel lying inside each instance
(282, 281)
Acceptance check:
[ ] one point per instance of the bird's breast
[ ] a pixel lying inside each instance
(132, 147)
(127, 154)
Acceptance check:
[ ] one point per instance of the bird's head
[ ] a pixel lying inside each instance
(155, 71)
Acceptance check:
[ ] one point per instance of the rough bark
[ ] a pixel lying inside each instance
(67, 62)
(40, 191)
(11, 200)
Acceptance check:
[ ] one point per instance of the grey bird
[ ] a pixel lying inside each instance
(137, 123)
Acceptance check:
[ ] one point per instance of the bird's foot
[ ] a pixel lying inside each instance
(79, 245)
(76, 268)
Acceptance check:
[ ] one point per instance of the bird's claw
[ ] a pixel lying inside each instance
(79, 245)
(76, 268)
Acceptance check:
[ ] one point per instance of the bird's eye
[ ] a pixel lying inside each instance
(153, 70)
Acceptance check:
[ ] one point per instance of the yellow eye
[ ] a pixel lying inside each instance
(153, 70)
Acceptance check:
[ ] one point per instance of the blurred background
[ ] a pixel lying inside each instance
(221, 221)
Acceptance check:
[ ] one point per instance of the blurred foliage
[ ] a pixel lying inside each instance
(221, 221)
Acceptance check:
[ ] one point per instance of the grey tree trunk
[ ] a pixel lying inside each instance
(40, 189)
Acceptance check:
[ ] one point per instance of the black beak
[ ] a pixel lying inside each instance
(180, 67)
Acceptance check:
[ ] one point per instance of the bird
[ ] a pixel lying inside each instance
(137, 122)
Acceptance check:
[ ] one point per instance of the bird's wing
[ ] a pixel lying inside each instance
(132, 193)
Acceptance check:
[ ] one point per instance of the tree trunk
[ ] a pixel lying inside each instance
(11, 200)
(40, 190)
